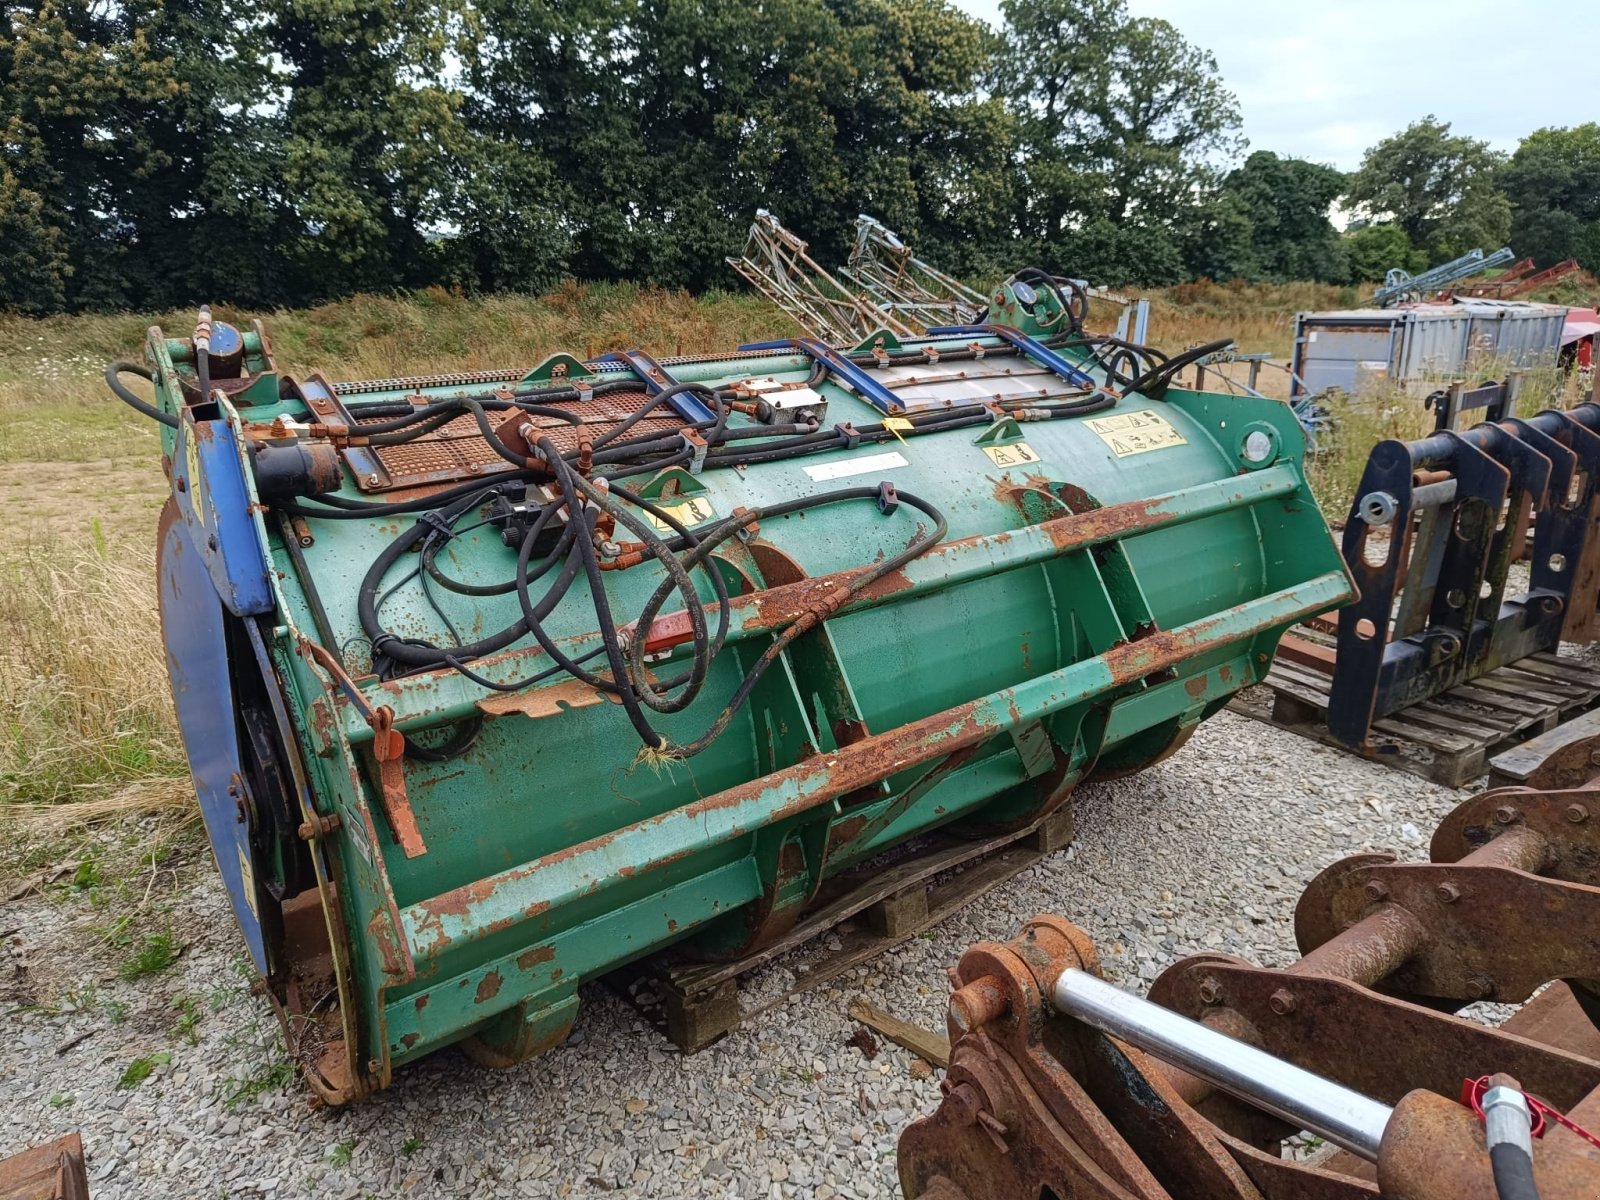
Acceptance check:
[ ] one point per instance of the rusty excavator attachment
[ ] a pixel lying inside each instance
(1061, 1085)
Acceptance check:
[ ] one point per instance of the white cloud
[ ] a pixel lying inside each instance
(1325, 82)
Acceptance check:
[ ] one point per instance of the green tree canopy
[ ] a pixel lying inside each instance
(1121, 125)
(1439, 188)
(1286, 203)
(1553, 184)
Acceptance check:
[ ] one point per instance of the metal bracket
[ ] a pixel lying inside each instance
(557, 369)
(860, 381)
(655, 379)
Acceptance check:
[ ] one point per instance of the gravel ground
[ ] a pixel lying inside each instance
(1208, 851)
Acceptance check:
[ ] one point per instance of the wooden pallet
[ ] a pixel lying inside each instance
(1552, 749)
(862, 913)
(1449, 738)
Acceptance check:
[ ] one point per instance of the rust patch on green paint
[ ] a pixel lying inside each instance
(489, 986)
(529, 959)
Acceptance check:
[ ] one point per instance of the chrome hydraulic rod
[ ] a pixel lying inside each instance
(1307, 1101)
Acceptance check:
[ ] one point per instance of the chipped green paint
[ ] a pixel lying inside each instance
(1083, 613)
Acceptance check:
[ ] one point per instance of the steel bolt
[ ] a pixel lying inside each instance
(977, 1003)
(320, 825)
(372, 480)
(1282, 1002)
(964, 1103)
(1377, 890)
(1448, 893)
(1210, 992)
(1577, 814)
(1594, 758)
(1504, 815)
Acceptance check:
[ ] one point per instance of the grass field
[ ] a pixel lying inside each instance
(84, 714)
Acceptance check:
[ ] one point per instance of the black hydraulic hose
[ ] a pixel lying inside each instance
(814, 616)
(343, 508)
(656, 401)
(705, 647)
(705, 651)
(1513, 1173)
(602, 610)
(407, 651)
(122, 392)
(533, 615)
(429, 560)
(1154, 382)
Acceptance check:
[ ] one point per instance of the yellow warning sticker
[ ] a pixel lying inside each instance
(898, 425)
(689, 512)
(247, 879)
(1017, 454)
(1136, 432)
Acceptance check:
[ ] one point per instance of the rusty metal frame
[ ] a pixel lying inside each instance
(885, 268)
(778, 264)
(1038, 1104)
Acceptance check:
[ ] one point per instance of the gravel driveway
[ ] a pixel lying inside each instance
(1207, 851)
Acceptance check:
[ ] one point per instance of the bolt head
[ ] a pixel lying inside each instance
(1448, 893)
(1504, 815)
(1577, 814)
(1377, 890)
(1480, 987)
(1210, 991)
(1282, 1002)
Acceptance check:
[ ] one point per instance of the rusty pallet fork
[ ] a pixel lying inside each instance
(1050, 1095)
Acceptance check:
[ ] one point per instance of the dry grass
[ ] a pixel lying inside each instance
(84, 710)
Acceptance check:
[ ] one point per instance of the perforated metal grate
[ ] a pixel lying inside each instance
(458, 451)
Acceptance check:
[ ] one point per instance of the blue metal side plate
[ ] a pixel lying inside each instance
(192, 628)
(214, 505)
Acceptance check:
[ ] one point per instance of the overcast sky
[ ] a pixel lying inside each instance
(1326, 80)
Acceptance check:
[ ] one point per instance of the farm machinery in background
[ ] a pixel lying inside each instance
(884, 285)
(1400, 285)
(1061, 1084)
(1460, 277)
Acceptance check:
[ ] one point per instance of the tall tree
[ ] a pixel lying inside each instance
(1553, 183)
(1122, 124)
(679, 118)
(1376, 249)
(69, 72)
(1286, 201)
(1440, 188)
(373, 141)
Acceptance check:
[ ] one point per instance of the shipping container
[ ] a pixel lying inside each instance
(1419, 346)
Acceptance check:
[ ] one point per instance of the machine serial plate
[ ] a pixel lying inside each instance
(1136, 432)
